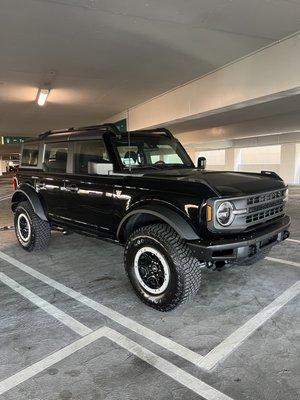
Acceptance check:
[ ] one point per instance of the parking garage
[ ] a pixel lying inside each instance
(222, 77)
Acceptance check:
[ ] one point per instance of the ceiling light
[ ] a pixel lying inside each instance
(42, 96)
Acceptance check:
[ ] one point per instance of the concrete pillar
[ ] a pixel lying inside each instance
(290, 163)
(230, 159)
(297, 164)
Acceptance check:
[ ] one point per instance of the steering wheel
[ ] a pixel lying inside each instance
(159, 163)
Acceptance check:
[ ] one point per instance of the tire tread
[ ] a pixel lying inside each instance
(187, 266)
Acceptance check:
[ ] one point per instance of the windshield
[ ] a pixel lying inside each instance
(152, 151)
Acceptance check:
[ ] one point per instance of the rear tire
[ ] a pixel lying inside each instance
(32, 232)
(161, 267)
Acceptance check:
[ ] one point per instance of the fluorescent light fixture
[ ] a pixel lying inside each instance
(42, 96)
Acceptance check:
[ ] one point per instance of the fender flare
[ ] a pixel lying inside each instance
(171, 217)
(31, 195)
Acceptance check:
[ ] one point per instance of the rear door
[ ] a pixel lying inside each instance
(51, 182)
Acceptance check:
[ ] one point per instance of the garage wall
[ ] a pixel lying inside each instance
(215, 159)
(256, 159)
(283, 159)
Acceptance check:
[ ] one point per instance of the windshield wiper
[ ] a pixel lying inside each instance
(144, 167)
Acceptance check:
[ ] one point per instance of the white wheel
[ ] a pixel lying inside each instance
(152, 270)
(32, 232)
(161, 268)
(24, 228)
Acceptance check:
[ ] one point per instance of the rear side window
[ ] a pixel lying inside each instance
(56, 155)
(30, 155)
(87, 152)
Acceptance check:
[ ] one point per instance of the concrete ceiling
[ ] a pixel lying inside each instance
(108, 55)
(280, 107)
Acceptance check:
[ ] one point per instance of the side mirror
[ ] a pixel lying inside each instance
(201, 163)
(100, 168)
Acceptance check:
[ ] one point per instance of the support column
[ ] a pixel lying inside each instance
(1, 165)
(290, 163)
(230, 159)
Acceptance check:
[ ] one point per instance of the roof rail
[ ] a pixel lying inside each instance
(109, 127)
(157, 130)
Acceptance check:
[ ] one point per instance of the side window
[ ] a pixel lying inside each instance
(87, 152)
(56, 155)
(30, 155)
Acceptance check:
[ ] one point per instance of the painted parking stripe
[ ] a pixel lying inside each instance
(174, 372)
(189, 381)
(134, 326)
(47, 362)
(233, 341)
(293, 240)
(206, 362)
(281, 261)
(5, 197)
(55, 312)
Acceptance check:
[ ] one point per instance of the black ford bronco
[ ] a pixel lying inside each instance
(142, 190)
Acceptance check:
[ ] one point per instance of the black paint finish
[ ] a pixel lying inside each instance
(110, 206)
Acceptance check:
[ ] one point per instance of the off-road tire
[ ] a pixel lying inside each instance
(40, 230)
(185, 269)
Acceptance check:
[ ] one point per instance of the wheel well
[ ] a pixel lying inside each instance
(36, 201)
(17, 198)
(135, 222)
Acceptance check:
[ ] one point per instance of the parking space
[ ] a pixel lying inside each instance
(72, 328)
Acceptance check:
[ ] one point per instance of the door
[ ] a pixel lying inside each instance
(50, 183)
(90, 197)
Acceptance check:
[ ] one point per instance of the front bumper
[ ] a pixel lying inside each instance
(242, 246)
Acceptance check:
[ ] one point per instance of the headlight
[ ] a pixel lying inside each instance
(225, 213)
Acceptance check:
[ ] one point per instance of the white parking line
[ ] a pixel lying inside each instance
(61, 316)
(174, 372)
(281, 261)
(293, 240)
(5, 197)
(206, 362)
(134, 326)
(189, 381)
(233, 341)
(47, 362)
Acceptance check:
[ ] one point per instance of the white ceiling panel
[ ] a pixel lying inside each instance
(109, 55)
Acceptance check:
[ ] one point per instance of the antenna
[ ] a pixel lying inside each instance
(129, 141)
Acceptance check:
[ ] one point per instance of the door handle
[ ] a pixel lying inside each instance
(72, 188)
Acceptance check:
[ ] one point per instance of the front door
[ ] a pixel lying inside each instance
(90, 197)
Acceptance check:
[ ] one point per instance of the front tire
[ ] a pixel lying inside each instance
(161, 267)
(32, 232)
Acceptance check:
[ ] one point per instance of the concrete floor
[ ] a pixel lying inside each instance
(144, 354)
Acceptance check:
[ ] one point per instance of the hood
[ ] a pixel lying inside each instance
(224, 183)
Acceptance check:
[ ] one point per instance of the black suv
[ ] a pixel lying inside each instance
(142, 190)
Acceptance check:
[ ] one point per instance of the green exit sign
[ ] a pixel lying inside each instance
(12, 139)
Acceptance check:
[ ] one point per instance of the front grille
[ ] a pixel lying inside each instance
(266, 197)
(265, 207)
